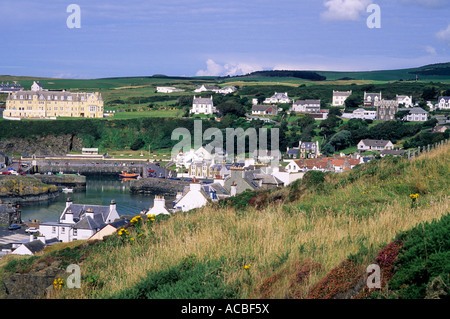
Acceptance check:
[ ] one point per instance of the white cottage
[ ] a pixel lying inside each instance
(339, 97)
(195, 197)
(405, 100)
(79, 221)
(159, 206)
(202, 105)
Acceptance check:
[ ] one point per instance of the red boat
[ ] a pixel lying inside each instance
(128, 175)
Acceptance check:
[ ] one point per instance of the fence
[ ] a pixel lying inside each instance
(412, 153)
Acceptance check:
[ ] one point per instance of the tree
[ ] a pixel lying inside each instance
(341, 140)
(401, 115)
(351, 102)
(429, 93)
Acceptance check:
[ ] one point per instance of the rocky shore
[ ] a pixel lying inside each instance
(158, 186)
(20, 189)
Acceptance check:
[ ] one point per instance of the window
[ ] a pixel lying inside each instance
(53, 229)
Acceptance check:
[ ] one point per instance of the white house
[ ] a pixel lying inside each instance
(339, 97)
(202, 105)
(416, 114)
(405, 100)
(444, 102)
(264, 110)
(37, 86)
(374, 145)
(29, 248)
(167, 89)
(305, 106)
(194, 198)
(206, 88)
(79, 221)
(361, 114)
(227, 90)
(159, 206)
(199, 155)
(371, 98)
(278, 98)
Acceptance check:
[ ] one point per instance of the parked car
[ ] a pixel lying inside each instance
(32, 230)
(14, 227)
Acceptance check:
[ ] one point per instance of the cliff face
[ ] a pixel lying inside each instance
(14, 189)
(41, 145)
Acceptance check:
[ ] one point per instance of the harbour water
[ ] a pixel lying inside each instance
(100, 190)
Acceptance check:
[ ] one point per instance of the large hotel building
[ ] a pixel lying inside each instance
(41, 103)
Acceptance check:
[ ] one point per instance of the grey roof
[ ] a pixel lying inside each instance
(293, 151)
(216, 187)
(35, 246)
(280, 95)
(202, 100)
(308, 145)
(95, 223)
(375, 142)
(79, 209)
(342, 93)
(393, 152)
(263, 107)
(303, 102)
(414, 110)
(446, 98)
(44, 95)
(252, 175)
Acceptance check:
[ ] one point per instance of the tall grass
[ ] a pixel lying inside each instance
(356, 212)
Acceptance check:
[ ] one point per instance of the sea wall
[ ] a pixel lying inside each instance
(158, 186)
(77, 181)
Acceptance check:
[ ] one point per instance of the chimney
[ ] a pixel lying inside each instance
(31, 238)
(90, 213)
(233, 189)
(195, 185)
(68, 202)
(179, 195)
(68, 217)
(159, 202)
(112, 205)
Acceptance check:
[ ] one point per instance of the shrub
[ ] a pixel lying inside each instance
(190, 279)
(425, 256)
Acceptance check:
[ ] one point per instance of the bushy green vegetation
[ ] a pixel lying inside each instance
(424, 257)
(191, 279)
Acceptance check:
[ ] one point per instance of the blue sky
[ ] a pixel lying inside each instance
(197, 37)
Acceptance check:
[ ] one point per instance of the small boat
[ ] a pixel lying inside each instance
(128, 175)
(67, 190)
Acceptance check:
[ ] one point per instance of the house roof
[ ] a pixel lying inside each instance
(308, 145)
(414, 110)
(35, 246)
(368, 142)
(262, 107)
(44, 95)
(79, 209)
(308, 102)
(202, 100)
(342, 93)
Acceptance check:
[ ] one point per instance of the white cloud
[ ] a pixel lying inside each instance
(230, 68)
(444, 34)
(430, 50)
(343, 10)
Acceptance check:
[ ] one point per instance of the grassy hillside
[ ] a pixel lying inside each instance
(279, 244)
